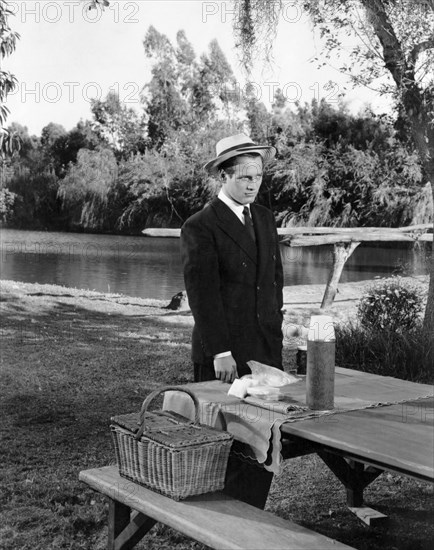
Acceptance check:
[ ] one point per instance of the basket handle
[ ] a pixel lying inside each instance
(155, 394)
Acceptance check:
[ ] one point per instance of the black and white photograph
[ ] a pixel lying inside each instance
(216, 274)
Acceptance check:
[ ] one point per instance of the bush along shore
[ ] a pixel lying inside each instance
(73, 358)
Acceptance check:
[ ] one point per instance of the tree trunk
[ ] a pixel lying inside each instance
(428, 321)
(424, 142)
(417, 107)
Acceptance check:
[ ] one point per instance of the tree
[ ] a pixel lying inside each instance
(120, 127)
(85, 189)
(7, 201)
(8, 82)
(163, 98)
(8, 40)
(65, 148)
(186, 94)
(258, 117)
(214, 89)
(50, 133)
(393, 39)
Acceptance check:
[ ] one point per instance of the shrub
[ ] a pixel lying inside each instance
(7, 200)
(407, 354)
(390, 306)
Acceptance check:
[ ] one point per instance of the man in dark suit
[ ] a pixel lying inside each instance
(233, 277)
(234, 284)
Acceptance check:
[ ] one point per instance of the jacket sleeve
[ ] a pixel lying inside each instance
(202, 283)
(279, 274)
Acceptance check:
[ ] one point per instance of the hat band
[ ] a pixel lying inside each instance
(241, 146)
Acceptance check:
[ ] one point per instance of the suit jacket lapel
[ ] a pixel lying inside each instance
(234, 228)
(262, 239)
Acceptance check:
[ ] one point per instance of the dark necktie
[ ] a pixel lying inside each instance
(249, 223)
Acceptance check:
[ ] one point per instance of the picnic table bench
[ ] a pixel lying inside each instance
(214, 519)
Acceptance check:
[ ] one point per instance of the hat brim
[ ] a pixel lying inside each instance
(267, 153)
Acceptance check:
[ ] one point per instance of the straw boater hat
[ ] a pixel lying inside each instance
(233, 146)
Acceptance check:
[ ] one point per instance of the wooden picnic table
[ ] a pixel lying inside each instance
(357, 445)
(388, 426)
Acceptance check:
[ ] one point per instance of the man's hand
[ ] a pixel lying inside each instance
(225, 368)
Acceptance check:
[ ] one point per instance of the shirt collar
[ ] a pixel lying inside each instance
(238, 208)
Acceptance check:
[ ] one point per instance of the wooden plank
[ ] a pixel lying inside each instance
(374, 233)
(352, 474)
(293, 448)
(354, 230)
(417, 227)
(133, 532)
(369, 516)
(213, 519)
(320, 240)
(396, 437)
(427, 238)
(161, 232)
(119, 518)
(289, 231)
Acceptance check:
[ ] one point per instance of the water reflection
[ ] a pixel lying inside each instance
(151, 268)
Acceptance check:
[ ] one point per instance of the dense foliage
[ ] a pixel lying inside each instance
(407, 354)
(390, 306)
(387, 337)
(128, 169)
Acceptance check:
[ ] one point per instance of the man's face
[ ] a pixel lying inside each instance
(242, 181)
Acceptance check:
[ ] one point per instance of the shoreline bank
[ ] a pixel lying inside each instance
(293, 294)
(300, 301)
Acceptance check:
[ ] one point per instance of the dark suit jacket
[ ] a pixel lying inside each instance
(234, 287)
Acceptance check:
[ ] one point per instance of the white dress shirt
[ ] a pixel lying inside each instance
(236, 208)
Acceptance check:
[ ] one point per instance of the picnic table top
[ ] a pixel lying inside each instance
(396, 437)
(392, 428)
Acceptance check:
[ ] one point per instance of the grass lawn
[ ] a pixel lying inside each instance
(69, 360)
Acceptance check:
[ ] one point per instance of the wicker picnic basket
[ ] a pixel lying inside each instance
(169, 454)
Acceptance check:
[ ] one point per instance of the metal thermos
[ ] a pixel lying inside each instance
(320, 372)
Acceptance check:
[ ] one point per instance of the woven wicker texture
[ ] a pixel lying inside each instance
(170, 456)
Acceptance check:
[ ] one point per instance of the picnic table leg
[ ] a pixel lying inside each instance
(355, 476)
(119, 518)
(355, 483)
(126, 529)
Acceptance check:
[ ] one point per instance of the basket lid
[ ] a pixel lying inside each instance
(171, 429)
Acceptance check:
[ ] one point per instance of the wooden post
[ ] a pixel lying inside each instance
(341, 253)
(119, 518)
(355, 476)
(126, 528)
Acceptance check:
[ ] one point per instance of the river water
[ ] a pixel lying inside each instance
(151, 267)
